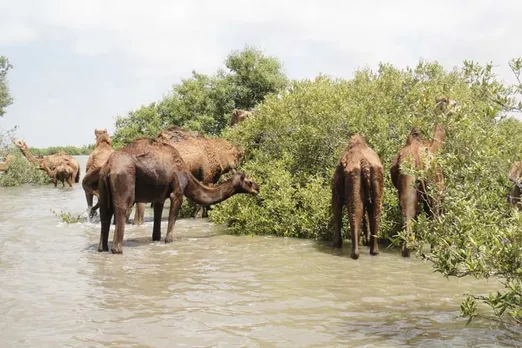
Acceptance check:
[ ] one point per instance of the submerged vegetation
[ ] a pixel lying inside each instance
(299, 129)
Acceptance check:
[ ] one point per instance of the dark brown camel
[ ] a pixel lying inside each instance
(515, 176)
(146, 171)
(418, 155)
(63, 173)
(51, 161)
(358, 184)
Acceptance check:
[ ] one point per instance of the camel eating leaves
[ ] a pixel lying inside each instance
(51, 161)
(150, 171)
(418, 156)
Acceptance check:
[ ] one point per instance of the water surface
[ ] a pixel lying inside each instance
(209, 289)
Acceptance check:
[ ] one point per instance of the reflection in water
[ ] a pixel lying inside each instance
(211, 289)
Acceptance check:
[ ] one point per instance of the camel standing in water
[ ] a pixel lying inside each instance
(358, 184)
(63, 173)
(206, 158)
(146, 171)
(418, 154)
(51, 161)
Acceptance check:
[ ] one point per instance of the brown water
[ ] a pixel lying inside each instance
(208, 289)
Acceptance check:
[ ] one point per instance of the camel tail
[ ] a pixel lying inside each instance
(77, 178)
(104, 187)
(366, 174)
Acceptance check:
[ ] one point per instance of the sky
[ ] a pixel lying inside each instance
(79, 64)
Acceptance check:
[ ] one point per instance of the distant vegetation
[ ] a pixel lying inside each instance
(299, 128)
(71, 150)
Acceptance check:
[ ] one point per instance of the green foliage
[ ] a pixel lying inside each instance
(71, 150)
(144, 121)
(295, 140)
(68, 217)
(5, 96)
(205, 102)
(21, 171)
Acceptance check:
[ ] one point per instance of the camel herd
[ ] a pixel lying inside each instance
(178, 163)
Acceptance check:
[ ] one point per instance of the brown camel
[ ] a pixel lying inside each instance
(358, 184)
(148, 170)
(4, 166)
(239, 115)
(97, 159)
(206, 158)
(51, 161)
(63, 173)
(515, 176)
(418, 154)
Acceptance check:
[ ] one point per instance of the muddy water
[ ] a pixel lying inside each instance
(208, 289)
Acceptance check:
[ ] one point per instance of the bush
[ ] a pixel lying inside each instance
(21, 171)
(294, 142)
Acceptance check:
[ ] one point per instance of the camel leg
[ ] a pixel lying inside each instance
(122, 194)
(106, 214)
(337, 206)
(176, 199)
(375, 209)
(90, 187)
(409, 201)
(139, 214)
(355, 209)
(119, 231)
(198, 214)
(156, 229)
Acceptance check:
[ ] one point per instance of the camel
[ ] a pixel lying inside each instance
(358, 184)
(515, 175)
(97, 159)
(4, 166)
(51, 161)
(239, 115)
(63, 173)
(207, 158)
(148, 170)
(418, 155)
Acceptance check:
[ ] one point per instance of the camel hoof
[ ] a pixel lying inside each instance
(169, 239)
(116, 251)
(405, 252)
(156, 238)
(374, 252)
(354, 255)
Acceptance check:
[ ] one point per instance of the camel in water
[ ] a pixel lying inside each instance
(51, 161)
(358, 184)
(150, 171)
(418, 154)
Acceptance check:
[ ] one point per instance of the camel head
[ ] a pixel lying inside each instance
(244, 184)
(100, 131)
(447, 105)
(356, 140)
(20, 144)
(239, 115)
(415, 135)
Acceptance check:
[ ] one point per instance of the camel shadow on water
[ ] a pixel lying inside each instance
(146, 233)
(385, 247)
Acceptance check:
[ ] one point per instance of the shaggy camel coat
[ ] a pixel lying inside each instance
(358, 184)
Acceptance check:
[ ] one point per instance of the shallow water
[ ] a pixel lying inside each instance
(209, 289)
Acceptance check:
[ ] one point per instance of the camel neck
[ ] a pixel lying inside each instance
(205, 195)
